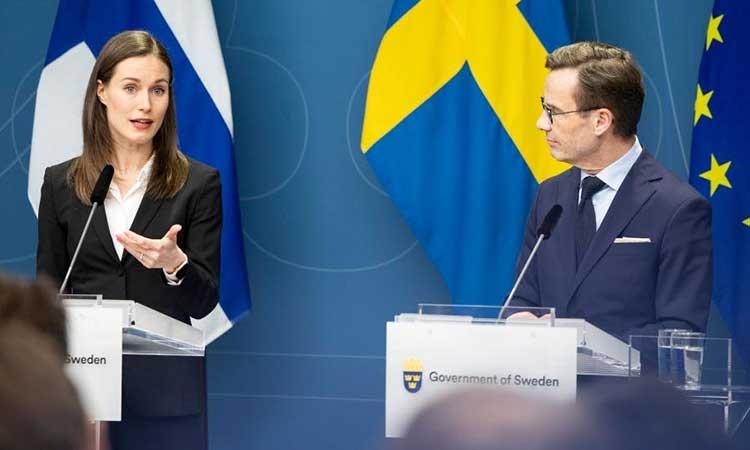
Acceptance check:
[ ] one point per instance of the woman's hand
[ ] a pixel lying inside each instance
(161, 253)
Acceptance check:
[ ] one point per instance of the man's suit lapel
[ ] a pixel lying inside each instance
(146, 213)
(634, 191)
(566, 228)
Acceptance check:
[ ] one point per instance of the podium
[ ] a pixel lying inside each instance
(100, 331)
(444, 348)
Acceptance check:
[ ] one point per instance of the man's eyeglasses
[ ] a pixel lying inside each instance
(551, 114)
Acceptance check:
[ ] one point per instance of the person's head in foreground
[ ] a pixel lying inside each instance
(39, 407)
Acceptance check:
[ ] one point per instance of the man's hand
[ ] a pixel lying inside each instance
(161, 253)
(525, 315)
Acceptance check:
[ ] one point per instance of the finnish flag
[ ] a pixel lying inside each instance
(204, 113)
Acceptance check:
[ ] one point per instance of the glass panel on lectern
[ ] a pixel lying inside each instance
(701, 367)
(144, 330)
(79, 299)
(493, 315)
(599, 353)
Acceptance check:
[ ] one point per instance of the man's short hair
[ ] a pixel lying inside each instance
(608, 77)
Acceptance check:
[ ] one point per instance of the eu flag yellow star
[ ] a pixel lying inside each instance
(717, 174)
(746, 221)
(712, 33)
(701, 105)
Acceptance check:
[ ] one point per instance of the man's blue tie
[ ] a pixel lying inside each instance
(586, 221)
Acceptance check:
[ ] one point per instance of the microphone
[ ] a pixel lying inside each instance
(549, 222)
(98, 194)
(102, 185)
(543, 233)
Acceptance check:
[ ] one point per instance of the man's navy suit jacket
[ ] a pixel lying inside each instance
(624, 288)
(152, 385)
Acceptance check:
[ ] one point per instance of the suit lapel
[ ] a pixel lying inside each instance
(635, 190)
(146, 213)
(101, 227)
(566, 228)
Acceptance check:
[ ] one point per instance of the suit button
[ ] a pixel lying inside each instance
(121, 273)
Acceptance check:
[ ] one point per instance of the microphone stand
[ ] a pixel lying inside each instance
(520, 276)
(78, 248)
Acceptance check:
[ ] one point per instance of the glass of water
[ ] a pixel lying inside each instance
(687, 358)
(664, 347)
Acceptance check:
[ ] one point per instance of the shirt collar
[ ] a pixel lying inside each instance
(145, 174)
(142, 179)
(614, 174)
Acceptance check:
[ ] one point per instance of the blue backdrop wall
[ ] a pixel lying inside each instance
(330, 260)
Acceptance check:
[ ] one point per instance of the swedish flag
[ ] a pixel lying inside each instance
(720, 160)
(449, 130)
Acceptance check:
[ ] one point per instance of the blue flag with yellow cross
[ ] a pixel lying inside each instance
(449, 130)
(720, 160)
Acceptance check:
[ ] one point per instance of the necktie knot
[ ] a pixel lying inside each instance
(586, 221)
(589, 187)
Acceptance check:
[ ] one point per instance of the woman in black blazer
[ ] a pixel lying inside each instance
(156, 241)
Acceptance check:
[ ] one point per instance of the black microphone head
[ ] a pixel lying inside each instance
(549, 222)
(102, 185)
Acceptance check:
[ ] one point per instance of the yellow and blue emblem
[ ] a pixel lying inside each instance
(413, 375)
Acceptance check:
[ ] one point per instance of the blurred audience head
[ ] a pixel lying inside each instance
(39, 407)
(645, 413)
(614, 415)
(491, 420)
(35, 303)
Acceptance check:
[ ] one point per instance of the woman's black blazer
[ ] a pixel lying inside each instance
(152, 386)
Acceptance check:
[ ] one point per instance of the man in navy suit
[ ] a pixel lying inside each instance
(632, 250)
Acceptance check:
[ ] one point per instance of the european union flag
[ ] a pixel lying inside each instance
(449, 130)
(720, 161)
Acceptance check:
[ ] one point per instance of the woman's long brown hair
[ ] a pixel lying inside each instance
(170, 169)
